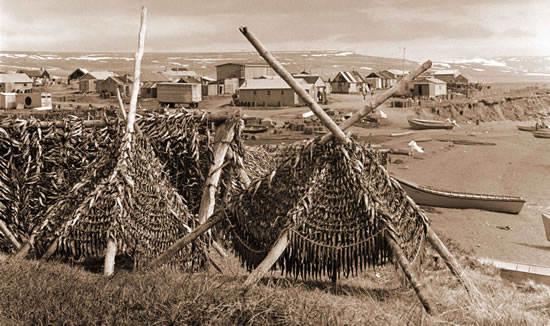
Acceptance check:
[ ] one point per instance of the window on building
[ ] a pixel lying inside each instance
(282, 92)
(268, 92)
(253, 92)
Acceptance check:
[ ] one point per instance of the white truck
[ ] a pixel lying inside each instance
(181, 94)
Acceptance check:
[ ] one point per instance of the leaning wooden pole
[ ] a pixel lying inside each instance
(379, 99)
(216, 218)
(287, 77)
(6, 231)
(110, 251)
(409, 272)
(268, 262)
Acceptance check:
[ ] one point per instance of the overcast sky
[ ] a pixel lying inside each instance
(428, 29)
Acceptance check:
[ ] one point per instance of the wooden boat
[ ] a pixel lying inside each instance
(526, 128)
(451, 199)
(254, 129)
(542, 133)
(429, 124)
(517, 272)
(546, 223)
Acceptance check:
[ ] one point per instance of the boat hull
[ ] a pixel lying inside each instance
(429, 124)
(254, 129)
(546, 223)
(451, 199)
(526, 128)
(518, 272)
(541, 134)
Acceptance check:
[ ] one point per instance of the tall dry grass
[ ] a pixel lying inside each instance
(34, 293)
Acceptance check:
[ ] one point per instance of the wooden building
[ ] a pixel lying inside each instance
(88, 82)
(319, 86)
(242, 71)
(112, 83)
(349, 82)
(15, 83)
(374, 80)
(446, 75)
(429, 87)
(149, 83)
(77, 74)
(271, 92)
(38, 76)
(388, 78)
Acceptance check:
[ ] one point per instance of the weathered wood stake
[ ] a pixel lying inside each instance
(110, 255)
(4, 228)
(409, 272)
(271, 258)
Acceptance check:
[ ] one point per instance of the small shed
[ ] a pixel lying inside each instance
(319, 85)
(15, 83)
(429, 87)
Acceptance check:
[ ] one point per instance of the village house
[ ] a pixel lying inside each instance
(429, 87)
(111, 84)
(349, 82)
(388, 78)
(15, 83)
(446, 75)
(38, 76)
(88, 82)
(271, 92)
(149, 82)
(319, 86)
(76, 74)
(374, 80)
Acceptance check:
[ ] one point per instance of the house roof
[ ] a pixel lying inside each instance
(271, 84)
(454, 73)
(429, 80)
(33, 72)
(153, 77)
(243, 64)
(351, 76)
(308, 78)
(100, 75)
(174, 75)
(14, 78)
(118, 80)
(188, 80)
(82, 70)
(149, 85)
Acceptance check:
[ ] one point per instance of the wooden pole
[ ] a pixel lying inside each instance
(51, 250)
(239, 166)
(409, 272)
(137, 71)
(216, 218)
(110, 255)
(121, 104)
(269, 260)
(379, 99)
(4, 228)
(452, 264)
(224, 135)
(24, 250)
(281, 71)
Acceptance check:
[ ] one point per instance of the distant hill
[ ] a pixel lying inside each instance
(324, 63)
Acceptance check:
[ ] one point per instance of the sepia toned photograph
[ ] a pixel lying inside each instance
(240, 162)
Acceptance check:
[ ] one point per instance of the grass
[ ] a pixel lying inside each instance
(36, 293)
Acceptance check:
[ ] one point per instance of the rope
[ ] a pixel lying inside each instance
(338, 247)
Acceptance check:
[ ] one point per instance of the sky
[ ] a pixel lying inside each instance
(427, 29)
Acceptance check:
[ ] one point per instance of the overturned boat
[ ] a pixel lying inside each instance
(430, 124)
(545, 133)
(526, 128)
(451, 199)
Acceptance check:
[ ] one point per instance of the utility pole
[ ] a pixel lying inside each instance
(403, 70)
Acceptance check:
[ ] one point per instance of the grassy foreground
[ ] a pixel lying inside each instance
(34, 293)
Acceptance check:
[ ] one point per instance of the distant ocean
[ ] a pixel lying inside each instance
(323, 63)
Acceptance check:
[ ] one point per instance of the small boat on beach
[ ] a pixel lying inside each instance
(542, 133)
(452, 199)
(526, 128)
(546, 223)
(254, 129)
(517, 272)
(430, 124)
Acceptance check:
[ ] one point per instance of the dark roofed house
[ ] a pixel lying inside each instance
(349, 82)
(77, 74)
(150, 80)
